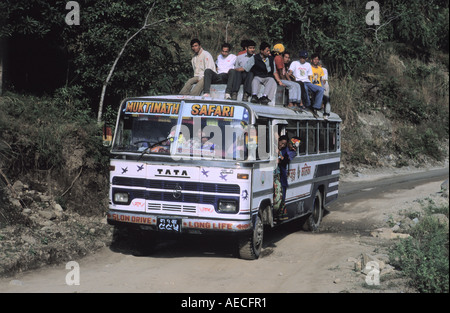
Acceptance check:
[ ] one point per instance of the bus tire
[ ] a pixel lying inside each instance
(315, 218)
(250, 245)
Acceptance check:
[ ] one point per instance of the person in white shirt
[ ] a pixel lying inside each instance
(302, 71)
(225, 62)
(238, 75)
(326, 94)
(201, 61)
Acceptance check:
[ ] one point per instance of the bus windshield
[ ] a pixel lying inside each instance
(206, 130)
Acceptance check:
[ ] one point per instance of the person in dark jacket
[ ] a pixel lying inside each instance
(286, 155)
(262, 66)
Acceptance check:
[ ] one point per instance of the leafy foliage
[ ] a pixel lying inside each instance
(423, 257)
(37, 18)
(423, 25)
(40, 130)
(152, 56)
(158, 60)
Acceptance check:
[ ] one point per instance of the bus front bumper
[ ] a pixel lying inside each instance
(182, 224)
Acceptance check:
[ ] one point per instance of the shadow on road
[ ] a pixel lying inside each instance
(148, 244)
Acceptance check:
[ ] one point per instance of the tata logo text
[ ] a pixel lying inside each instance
(172, 173)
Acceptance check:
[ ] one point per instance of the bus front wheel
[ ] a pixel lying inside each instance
(250, 245)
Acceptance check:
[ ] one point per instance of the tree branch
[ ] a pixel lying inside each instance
(119, 55)
(73, 182)
(381, 26)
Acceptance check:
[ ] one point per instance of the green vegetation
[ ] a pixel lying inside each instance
(412, 94)
(39, 131)
(424, 257)
(47, 143)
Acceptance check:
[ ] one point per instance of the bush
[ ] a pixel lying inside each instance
(49, 142)
(418, 141)
(39, 129)
(423, 257)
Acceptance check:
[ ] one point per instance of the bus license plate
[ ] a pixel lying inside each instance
(169, 224)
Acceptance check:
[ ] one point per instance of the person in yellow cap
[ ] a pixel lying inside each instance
(282, 58)
(278, 48)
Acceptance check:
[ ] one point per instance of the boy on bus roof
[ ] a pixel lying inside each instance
(263, 67)
(282, 58)
(201, 61)
(302, 72)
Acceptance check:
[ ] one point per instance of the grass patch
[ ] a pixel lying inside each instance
(36, 130)
(424, 257)
(411, 94)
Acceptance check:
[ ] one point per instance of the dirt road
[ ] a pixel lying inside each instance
(292, 260)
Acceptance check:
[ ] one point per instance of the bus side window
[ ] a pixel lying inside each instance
(263, 139)
(312, 137)
(292, 129)
(323, 137)
(302, 135)
(281, 130)
(332, 137)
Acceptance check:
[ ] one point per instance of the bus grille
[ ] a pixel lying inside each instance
(180, 208)
(170, 185)
(164, 199)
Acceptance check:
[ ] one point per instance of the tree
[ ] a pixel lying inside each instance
(113, 57)
(147, 25)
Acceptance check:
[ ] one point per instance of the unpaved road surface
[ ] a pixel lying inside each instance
(292, 260)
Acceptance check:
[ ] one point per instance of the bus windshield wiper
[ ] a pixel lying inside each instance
(152, 146)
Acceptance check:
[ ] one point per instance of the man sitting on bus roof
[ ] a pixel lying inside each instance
(282, 58)
(302, 72)
(238, 75)
(263, 67)
(201, 60)
(225, 62)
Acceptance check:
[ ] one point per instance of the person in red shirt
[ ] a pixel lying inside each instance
(283, 58)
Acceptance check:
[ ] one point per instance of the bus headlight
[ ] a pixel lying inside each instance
(228, 206)
(121, 198)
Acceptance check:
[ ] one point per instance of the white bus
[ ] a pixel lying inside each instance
(182, 164)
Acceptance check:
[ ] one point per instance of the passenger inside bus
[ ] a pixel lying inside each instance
(161, 144)
(201, 144)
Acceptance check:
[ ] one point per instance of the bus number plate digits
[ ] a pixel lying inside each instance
(169, 224)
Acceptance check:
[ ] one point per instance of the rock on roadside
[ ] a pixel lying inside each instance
(47, 234)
